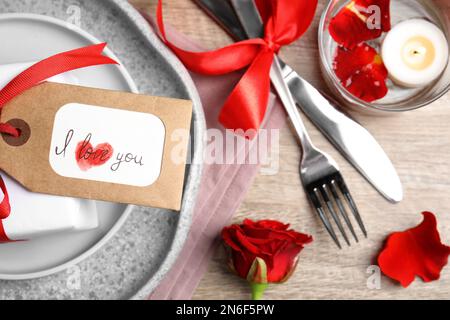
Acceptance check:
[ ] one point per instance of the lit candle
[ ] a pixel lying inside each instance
(415, 53)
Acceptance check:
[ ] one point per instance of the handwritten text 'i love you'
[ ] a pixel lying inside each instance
(88, 157)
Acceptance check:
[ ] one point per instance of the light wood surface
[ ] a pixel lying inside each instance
(418, 143)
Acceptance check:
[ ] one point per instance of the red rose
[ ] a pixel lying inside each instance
(264, 252)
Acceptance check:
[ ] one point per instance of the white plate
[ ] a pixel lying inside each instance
(30, 37)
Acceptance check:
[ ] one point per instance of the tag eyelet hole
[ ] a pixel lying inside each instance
(24, 133)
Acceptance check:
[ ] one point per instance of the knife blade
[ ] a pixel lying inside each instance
(351, 139)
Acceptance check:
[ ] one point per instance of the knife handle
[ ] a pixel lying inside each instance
(289, 104)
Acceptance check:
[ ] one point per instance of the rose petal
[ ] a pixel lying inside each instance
(358, 22)
(361, 71)
(303, 238)
(242, 263)
(348, 30)
(285, 261)
(272, 229)
(259, 233)
(415, 252)
(228, 235)
(247, 245)
(385, 11)
(266, 224)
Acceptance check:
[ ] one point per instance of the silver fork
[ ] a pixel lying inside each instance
(320, 175)
(323, 183)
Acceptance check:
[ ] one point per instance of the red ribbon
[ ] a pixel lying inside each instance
(34, 75)
(47, 68)
(285, 21)
(5, 209)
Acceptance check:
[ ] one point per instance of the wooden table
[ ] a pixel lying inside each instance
(418, 143)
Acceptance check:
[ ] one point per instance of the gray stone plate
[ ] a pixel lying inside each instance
(133, 262)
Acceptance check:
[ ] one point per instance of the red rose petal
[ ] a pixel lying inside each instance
(284, 261)
(228, 235)
(270, 229)
(266, 224)
(355, 22)
(385, 11)
(246, 243)
(415, 252)
(361, 71)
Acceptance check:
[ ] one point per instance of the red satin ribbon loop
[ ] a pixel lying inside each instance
(34, 75)
(285, 21)
(5, 209)
(47, 68)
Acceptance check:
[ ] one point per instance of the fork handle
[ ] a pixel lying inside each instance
(285, 95)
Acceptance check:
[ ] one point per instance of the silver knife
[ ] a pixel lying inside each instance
(352, 140)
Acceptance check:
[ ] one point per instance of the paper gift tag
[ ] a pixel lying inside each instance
(97, 144)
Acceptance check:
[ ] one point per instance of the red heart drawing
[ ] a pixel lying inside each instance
(88, 157)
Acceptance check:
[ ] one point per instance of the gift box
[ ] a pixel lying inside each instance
(35, 215)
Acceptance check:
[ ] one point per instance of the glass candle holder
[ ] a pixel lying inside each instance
(399, 98)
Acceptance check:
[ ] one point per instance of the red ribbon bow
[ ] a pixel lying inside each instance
(37, 73)
(285, 21)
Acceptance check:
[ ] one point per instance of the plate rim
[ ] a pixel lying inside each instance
(129, 208)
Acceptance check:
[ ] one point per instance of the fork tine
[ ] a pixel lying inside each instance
(340, 205)
(326, 222)
(351, 202)
(336, 219)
